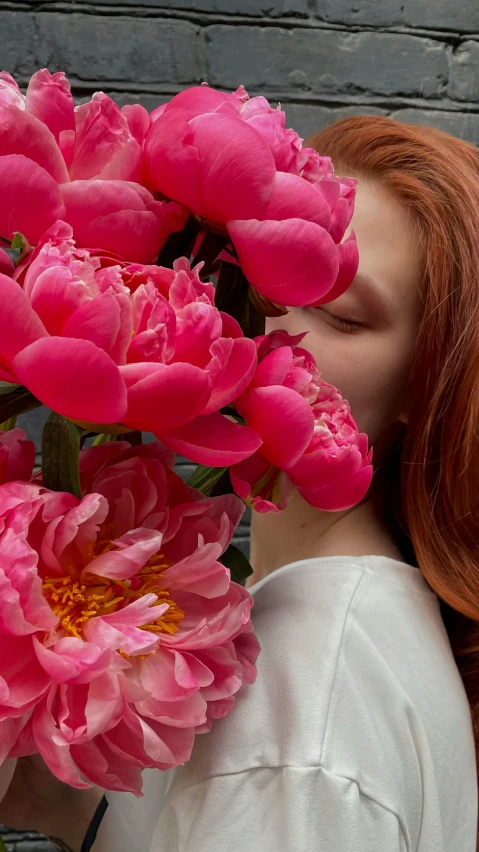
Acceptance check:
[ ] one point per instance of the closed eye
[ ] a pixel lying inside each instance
(347, 326)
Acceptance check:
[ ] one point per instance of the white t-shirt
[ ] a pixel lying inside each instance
(356, 736)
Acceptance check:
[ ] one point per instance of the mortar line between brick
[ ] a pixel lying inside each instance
(286, 98)
(205, 19)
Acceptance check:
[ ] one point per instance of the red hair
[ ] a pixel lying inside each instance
(436, 177)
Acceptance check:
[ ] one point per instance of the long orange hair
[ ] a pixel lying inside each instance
(436, 177)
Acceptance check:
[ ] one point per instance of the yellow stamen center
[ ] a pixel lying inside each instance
(75, 599)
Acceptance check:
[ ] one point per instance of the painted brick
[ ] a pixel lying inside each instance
(463, 125)
(145, 99)
(99, 48)
(18, 41)
(307, 119)
(439, 14)
(330, 62)
(255, 8)
(464, 72)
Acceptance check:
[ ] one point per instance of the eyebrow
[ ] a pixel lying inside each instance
(369, 291)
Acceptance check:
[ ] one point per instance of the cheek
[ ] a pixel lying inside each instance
(366, 368)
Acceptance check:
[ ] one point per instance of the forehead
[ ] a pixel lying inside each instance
(389, 248)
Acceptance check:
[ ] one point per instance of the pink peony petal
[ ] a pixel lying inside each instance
(17, 456)
(172, 162)
(237, 371)
(199, 573)
(348, 267)
(24, 692)
(10, 92)
(124, 563)
(237, 164)
(54, 294)
(265, 408)
(121, 630)
(273, 368)
(49, 99)
(138, 120)
(213, 440)
(23, 608)
(31, 199)
(169, 676)
(102, 321)
(336, 496)
(295, 198)
(72, 659)
(104, 148)
(291, 262)
(157, 401)
(202, 163)
(74, 378)
(53, 748)
(198, 100)
(113, 215)
(22, 133)
(19, 324)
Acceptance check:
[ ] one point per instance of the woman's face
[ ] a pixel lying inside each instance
(363, 340)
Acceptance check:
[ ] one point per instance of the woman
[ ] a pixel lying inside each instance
(357, 735)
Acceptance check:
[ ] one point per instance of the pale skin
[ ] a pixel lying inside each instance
(370, 365)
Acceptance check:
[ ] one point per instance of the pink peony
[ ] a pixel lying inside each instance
(199, 151)
(46, 143)
(310, 439)
(17, 456)
(122, 635)
(154, 359)
(120, 217)
(232, 160)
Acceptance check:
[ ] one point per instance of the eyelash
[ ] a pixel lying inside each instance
(347, 326)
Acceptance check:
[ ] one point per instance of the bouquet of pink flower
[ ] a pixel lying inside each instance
(140, 255)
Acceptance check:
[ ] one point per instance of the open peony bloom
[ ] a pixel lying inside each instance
(232, 160)
(154, 359)
(121, 633)
(83, 165)
(17, 456)
(310, 439)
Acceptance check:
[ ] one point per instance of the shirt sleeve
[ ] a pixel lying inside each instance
(280, 809)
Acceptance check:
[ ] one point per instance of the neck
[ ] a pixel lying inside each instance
(302, 532)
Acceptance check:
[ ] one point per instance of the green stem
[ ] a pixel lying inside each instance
(205, 478)
(61, 454)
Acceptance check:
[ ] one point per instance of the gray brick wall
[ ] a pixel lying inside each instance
(416, 60)
(413, 59)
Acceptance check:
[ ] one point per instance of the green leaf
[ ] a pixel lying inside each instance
(8, 424)
(7, 387)
(2, 845)
(18, 241)
(60, 455)
(205, 478)
(238, 563)
(102, 438)
(16, 401)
